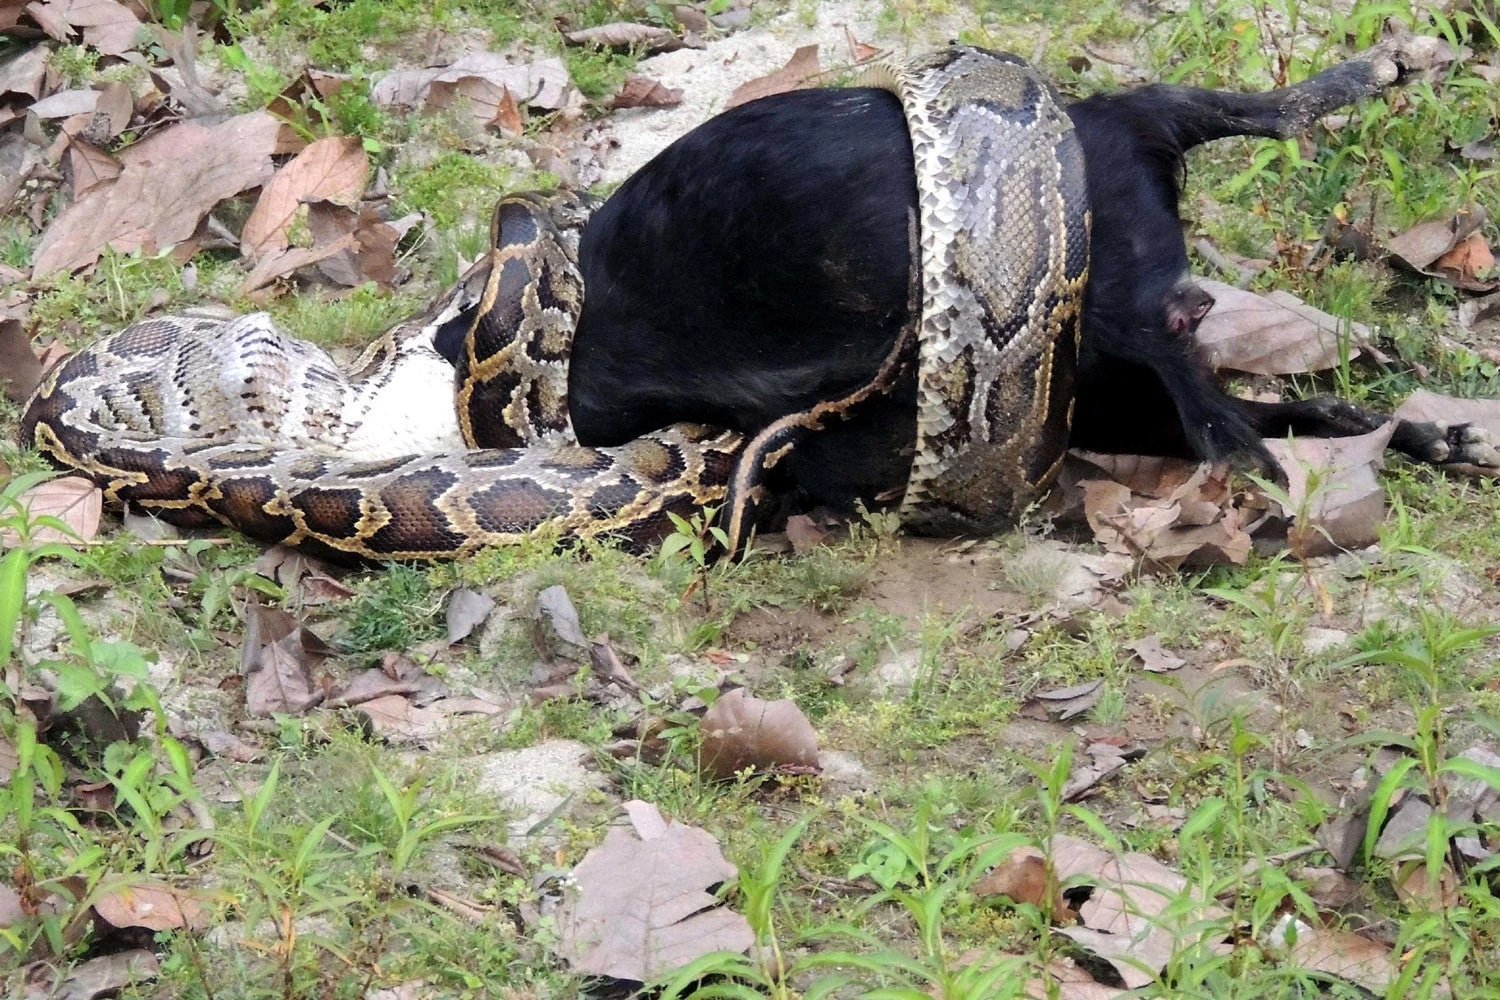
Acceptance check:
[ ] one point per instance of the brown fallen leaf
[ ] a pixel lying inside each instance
(90, 166)
(1195, 525)
(20, 371)
(394, 717)
(1348, 956)
(1148, 475)
(467, 610)
(1330, 888)
(367, 685)
(1275, 334)
(489, 103)
(542, 84)
(556, 632)
(804, 534)
(280, 264)
(73, 500)
(331, 169)
(107, 975)
(1063, 704)
(228, 745)
(643, 92)
(282, 682)
(1139, 912)
(1419, 247)
(24, 75)
(168, 183)
(799, 69)
(106, 25)
(1153, 657)
(1022, 878)
(649, 38)
(1099, 761)
(373, 255)
(155, 906)
(1466, 262)
(858, 51)
(639, 904)
(741, 732)
(1336, 500)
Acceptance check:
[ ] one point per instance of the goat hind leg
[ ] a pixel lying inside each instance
(1433, 442)
(1197, 115)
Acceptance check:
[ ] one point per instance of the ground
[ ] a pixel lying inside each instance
(223, 775)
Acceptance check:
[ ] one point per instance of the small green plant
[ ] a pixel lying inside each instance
(696, 537)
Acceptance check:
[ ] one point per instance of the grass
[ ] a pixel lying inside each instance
(324, 849)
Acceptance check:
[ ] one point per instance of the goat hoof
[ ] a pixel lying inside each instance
(1469, 444)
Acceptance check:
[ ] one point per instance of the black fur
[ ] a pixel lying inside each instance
(761, 263)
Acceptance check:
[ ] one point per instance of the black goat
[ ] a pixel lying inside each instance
(761, 263)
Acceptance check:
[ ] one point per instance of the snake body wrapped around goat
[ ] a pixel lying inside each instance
(203, 419)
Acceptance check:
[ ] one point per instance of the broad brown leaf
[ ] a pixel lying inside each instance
(24, 74)
(467, 610)
(168, 183)
(155, 906)
(282, 683)
(740, 732)
(626, 35)
(1022, 878)
(331, 169)
(90, 167)
(1421, 245)
(107, 975)
(640, 903)
(1153, 657)
(799, 69)
(1335, 497)
(542, 84)
(644, 92)
(1275, 334)
(1348, 956)
(20, 371)
(394, 717)
(284, 262)
(75, 501)
(106, 25)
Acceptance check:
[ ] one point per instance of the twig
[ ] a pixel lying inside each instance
(1242, 274)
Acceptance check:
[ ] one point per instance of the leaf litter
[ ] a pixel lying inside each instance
(641, 903)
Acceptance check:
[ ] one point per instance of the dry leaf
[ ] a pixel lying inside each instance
(367, 685)
(556, 632)
(1153, 657)
(644, 92)
(489, 103)
(108, 26)
(20, 371)
(542, 84)
(1022, 878)
(396, 718)
(75, 501)
(168, 183)
(155, 906)
(626, 35)
(1421, 245)
(1276, 334)
(1065, 703)
(373, 255)
(1148, 475)
(1194, 525)
(1465, 262)
(285, 262)
(331, 169)
(799, 69)
(740, 732)
(804, 534)
(107, 975)
(1348, 956)
(282, 682)
(640, 904)
(90, 167)
(467, 610)
(1336, 499)
(23, 75)
(1090, 768)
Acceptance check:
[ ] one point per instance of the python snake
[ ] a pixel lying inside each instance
(202, 419)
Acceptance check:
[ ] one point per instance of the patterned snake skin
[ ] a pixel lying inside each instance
(202, 419)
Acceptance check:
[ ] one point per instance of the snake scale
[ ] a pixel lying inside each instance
(202, 419)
